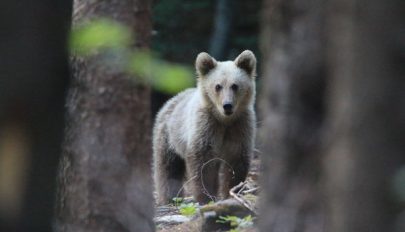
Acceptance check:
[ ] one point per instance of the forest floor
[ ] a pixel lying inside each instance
(237, 213)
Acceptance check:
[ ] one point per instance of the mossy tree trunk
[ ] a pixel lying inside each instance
(105, 174)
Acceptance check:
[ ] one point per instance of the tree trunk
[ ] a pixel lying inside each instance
(105, 175)
(366, 115)
(222, 29)
(33, 79)
(292, 114)
(331, 154)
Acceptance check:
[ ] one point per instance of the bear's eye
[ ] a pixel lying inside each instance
(234, 87)
(218, 87)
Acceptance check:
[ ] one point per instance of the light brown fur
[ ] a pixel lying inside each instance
(195, 140)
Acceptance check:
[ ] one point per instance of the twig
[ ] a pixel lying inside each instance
(241, 200)
(182, 187)
(201, 175)
(251, 190)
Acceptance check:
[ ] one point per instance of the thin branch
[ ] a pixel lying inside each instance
(240, 199)
(202, 180)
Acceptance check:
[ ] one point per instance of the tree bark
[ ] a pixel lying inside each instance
(366, 124)
(33, 79)
(292, 114)
(105, 174)
(333, 115)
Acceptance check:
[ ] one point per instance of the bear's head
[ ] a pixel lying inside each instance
(228, 87)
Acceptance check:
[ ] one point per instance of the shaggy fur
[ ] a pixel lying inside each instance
(196, 140)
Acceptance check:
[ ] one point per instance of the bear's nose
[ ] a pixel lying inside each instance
(228, 108)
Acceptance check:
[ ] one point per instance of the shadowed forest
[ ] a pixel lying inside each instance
(317, 144)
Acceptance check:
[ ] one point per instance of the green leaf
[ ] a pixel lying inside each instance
(105, 34)
(172, 78)
(177, 200)
(99, 34)
(188, 209)
(163, 76)
(236, 222)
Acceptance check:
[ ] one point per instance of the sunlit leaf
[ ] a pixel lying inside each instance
(236, 222)
(177, 201)
(163, 76)
(105, 34)
(172, 78)
(99, 34)
(188, 209)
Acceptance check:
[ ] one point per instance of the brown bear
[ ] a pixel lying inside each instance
(205, 136)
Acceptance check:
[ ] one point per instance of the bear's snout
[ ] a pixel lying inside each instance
(228, 108)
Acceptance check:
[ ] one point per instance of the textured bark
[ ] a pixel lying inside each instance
(105, 175)
(366, 115)
(33, 78)
(292, 114)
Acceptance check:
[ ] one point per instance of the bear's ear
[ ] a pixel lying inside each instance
(247, 61)
(204, 63)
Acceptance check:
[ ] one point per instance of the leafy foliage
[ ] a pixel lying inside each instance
(112, 41)
(164, 76)
(99, 34)
(235, 222)
(188, 209)
(177, 201)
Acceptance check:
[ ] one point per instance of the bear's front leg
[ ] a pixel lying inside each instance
(203, 171)
(235, 174)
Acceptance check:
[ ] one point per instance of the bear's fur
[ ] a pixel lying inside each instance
(207, 132)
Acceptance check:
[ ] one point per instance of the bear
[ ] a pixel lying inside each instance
(204, 136)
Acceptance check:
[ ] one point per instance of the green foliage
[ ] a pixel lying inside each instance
(236, 222)
(188, 209)
(99, 34)
(164, 76)
(177, 201)
(112, 39)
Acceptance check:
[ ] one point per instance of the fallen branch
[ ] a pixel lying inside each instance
(234, 192)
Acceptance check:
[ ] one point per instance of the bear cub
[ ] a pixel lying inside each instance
(205, 136)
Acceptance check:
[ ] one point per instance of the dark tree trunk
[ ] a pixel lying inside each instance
(332, 153)
(366, 145)
(33, 78)
(292, 114)
(105, 178)
(222, 29)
